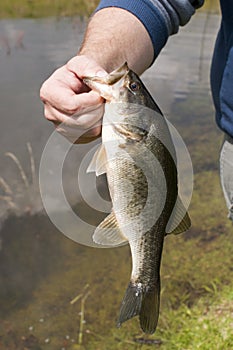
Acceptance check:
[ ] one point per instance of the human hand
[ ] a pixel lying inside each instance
(75, 111)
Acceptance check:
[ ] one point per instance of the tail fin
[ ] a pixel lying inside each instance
(142, 302)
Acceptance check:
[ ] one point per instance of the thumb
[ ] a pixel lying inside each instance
(84, 66)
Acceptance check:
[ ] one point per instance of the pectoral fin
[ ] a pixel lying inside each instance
(108, 232)
(98, 162)
(179, 220)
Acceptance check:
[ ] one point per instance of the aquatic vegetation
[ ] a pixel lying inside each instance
(83, 297)
(23, 196)
(4, 44)
(45, 8)
(14, 40)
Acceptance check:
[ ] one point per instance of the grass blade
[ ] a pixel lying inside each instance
(32, 163)
(5, 186)
(21, 171)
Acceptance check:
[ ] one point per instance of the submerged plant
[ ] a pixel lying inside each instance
(24, 196)
(83, 296)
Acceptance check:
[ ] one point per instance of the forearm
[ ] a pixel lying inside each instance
(114, 36)
(134, 31)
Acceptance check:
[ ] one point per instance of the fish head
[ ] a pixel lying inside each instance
(125, 88)
(121, 85)
(110, 86)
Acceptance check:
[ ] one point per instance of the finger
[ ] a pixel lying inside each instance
(82, 66)
(76, 135)
(60, 79)
(69, 103)
(54, 115)
(66, 92)
(89, 117)
(85, 102)
(85, 120)
(90, 135)
(63, 77)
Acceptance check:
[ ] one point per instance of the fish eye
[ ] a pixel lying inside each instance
(134, 86)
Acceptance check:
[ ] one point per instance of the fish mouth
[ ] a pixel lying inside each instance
(108, 86)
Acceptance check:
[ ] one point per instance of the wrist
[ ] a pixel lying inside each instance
(110, 43)
(101, 42)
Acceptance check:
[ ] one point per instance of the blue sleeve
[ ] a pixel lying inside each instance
(161, 18)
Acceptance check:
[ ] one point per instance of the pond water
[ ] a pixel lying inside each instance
(29, 51)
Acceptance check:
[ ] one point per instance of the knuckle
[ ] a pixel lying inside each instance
(48, 115)
(72, 62)
(71, 109)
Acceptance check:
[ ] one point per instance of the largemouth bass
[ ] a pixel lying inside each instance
(139, 158)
